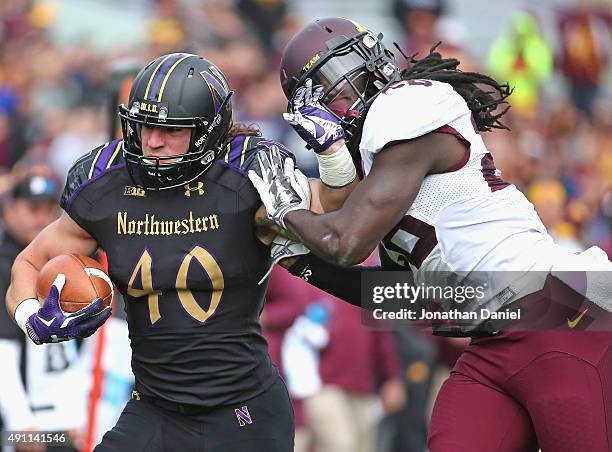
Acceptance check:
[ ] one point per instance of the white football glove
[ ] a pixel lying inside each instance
(281, 248)
(282, 187)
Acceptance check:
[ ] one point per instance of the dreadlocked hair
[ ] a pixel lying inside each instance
(482, 102)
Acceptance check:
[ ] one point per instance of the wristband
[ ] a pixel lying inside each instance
(24, 310)
(337, 170)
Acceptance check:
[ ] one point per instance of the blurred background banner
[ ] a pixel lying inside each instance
(66, 64)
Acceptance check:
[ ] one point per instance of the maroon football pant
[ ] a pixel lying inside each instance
(518, 392)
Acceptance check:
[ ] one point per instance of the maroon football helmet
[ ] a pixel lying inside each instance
(348, 60)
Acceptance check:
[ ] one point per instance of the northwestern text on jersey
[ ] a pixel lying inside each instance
(149, 225)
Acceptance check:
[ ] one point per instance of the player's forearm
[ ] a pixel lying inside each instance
(332, 198)
(23, 283)
(330, 236)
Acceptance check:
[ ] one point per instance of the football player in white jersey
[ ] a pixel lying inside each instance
(432, 197)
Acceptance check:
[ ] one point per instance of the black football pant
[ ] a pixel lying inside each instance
(262, 424)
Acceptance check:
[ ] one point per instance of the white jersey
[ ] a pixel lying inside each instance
(467, 219)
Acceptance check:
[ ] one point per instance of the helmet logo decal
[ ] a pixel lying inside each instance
(201, 140)
(217, 86)
(148, 108)
(215, 122)
(312, 61)
(213, 70)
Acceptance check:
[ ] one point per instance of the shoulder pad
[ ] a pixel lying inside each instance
(241, 151)
(88, 167)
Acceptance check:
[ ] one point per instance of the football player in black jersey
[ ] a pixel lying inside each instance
(172, 207)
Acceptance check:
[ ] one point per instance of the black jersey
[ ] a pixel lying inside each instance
(188, 264)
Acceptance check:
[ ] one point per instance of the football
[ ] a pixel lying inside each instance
(86, 280)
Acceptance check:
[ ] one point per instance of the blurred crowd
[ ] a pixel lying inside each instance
(56, 104)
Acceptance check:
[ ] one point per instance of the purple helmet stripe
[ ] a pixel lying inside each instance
(161, 74)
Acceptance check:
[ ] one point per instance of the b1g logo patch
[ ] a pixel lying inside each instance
(243, 416)
(133, 191)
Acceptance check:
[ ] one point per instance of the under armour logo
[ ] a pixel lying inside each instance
(199, 189)
(243, 416)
